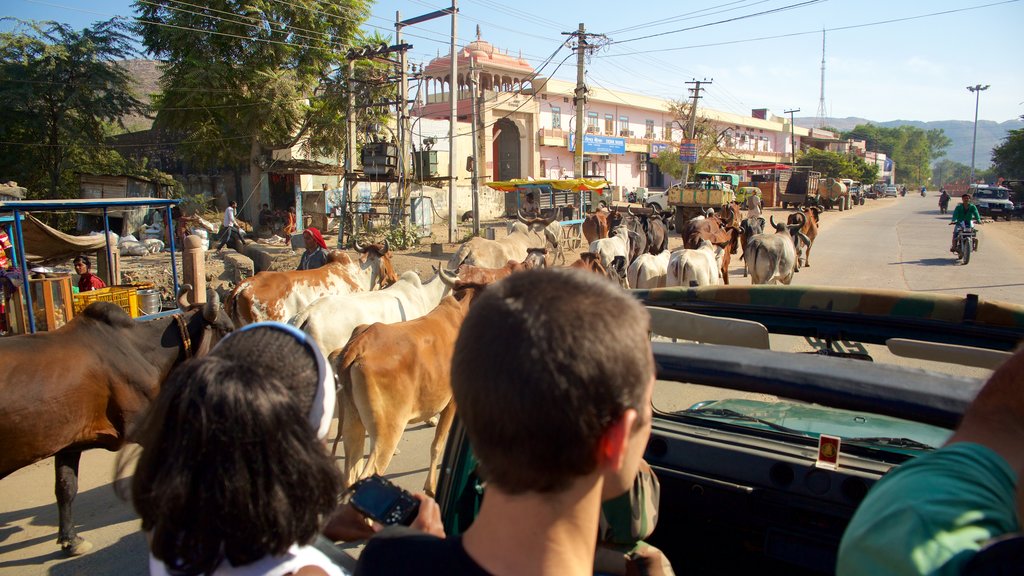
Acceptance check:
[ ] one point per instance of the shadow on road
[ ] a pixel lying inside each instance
(947, 261)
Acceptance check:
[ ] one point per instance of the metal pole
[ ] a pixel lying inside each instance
(453, 95)
(26, 286)
(403, 129)
(174, 265)
(580, 100)
(977, 88)
(110, 257)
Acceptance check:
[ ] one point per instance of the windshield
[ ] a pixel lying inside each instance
(801, 422)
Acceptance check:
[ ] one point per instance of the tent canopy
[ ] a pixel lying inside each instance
(574, 184)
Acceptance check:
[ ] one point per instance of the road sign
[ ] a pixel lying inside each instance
(688, 150)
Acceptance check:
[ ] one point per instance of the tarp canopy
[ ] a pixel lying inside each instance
(44, 244)
(574, 184)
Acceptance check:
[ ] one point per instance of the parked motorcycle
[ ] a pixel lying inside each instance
(966, 241)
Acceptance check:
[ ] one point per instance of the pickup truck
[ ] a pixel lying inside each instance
(736, 442)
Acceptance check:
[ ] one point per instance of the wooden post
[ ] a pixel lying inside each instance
(193, 264)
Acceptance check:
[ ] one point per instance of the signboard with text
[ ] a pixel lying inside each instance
(658, 147)
(598, 144)
(688, 151)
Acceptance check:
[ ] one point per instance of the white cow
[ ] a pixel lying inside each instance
(649, 270)
(697, 266)
(332, 319)
(496, 253)
(773, 258)
(613, 253)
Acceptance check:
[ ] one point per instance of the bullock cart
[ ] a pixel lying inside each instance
(566, 200)
(35, 242)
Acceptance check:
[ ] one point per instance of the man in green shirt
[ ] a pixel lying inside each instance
(940, 513)
(962, 216)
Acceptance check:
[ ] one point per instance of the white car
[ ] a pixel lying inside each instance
(891, 191)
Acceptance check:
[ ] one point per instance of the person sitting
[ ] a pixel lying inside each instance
(530, 207)
(315, 255)
(265, 217)
(232, 474)
(963, 215)
(86, 279)
(947, 511)
(540, 512)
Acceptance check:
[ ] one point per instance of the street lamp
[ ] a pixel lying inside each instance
(977, 88)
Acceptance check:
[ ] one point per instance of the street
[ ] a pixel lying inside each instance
(899, 244)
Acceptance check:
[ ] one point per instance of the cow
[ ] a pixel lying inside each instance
(695, 266)
(283, 294)
(657, 231)
(773, 258)
(479, 251)
(590, 262)
(808, 226)
(637, 225)
(470, 274)
(595, 226)
(649, 271)
(714, 230)
(332, 319)
(748, 229)
(395, 374)
(613, 253)
(84, 386)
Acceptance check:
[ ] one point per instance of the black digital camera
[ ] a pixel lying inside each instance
(377, 498)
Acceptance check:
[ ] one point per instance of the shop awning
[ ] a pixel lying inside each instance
(574, 184)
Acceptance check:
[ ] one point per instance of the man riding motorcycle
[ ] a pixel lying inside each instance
(943, 200)
(963, 214)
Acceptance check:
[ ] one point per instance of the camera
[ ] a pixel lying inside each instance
(377, 498)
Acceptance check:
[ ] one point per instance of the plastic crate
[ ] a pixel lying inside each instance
(126, 298)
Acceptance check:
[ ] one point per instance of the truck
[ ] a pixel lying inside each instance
(833, 193)
(710, 190)
(802, 183)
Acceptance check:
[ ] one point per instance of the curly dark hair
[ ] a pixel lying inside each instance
(231, 469)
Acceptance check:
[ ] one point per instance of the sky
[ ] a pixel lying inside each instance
(884, 60)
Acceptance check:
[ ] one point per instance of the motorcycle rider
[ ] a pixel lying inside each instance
(943, 200)
(924, 192)
(963, 214)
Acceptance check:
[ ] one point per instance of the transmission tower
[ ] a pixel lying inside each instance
(821, 97)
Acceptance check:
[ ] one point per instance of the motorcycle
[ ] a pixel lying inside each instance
(944, 204)
(923, 193)
(966, 241)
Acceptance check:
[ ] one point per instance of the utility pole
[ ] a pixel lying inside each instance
(475, 136)
(403, 119)
(579, 100)
(792, 135)
(977, 89)
(350, 152)
(691, 127)
(453, 95)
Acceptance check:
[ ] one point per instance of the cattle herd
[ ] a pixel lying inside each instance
(390, 337)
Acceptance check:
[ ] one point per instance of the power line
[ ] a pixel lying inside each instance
(793, 34)
(685, 16)
(727, 20)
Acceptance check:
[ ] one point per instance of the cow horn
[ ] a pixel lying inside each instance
(358, 248)
(450, 280)
(801, 209)
(629, 210)
(521, 218)
(211, 307)
(771, 217)
(183, 291)
(807, 241)
(387, 247)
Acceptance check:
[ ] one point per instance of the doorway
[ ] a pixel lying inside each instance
(506, 150)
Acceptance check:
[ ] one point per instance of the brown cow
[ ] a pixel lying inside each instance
(84, 385)
(392, 375)
(716, 232)
(808, 227)
(281, 295)
(590, 261)
(469, 274)
(595, 226)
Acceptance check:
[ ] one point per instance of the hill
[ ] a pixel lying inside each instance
(961, 132)
(146, 82)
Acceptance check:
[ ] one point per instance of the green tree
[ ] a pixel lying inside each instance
(60, 95)
(911, 148)
(1008, 156)
(242, 80)
(706, 134)
(948, 171)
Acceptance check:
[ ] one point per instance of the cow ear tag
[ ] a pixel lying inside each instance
(828, 452)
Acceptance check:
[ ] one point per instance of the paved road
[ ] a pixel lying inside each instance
(888, 243)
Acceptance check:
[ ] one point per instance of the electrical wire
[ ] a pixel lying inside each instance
(685, 16)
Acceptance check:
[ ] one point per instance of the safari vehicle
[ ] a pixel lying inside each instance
(741, 434)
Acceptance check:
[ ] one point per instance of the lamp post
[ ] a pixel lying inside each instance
(977, 88)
